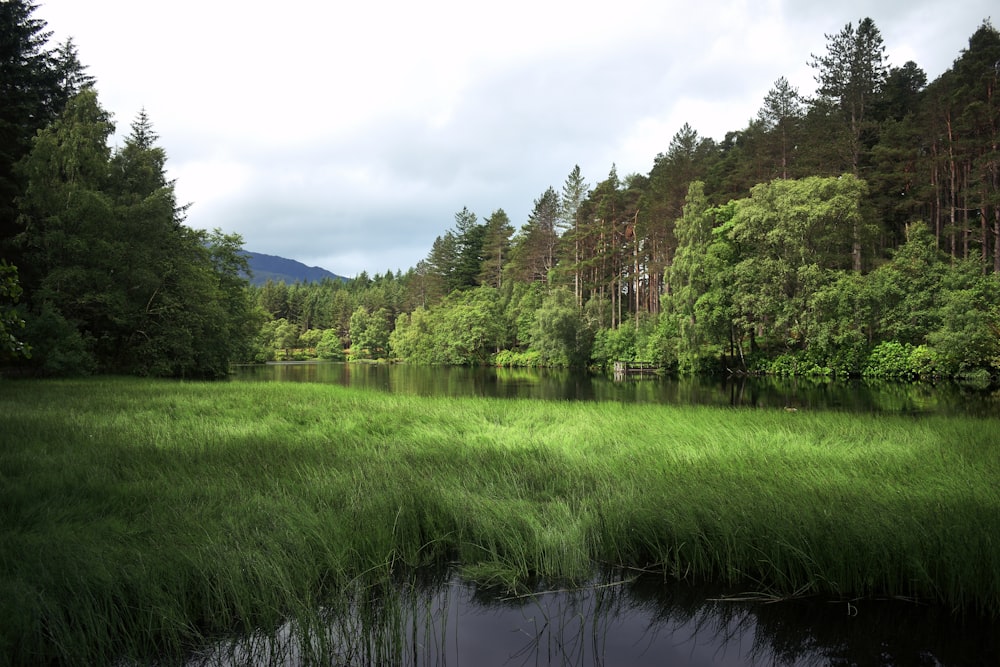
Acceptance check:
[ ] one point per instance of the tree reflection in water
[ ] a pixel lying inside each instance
(619, 619)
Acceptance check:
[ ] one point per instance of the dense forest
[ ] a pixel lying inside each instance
(851, 232)
(99, 273)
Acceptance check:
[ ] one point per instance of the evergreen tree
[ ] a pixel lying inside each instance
(116, 278)
(496, 248)
(574, 192)
(469, 248)
(534, 253)
(781, 116)
(442, 265)
(35, 84)
(851, 76)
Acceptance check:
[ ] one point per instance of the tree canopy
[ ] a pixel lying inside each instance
(855, 231)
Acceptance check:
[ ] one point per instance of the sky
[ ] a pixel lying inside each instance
(347, 135)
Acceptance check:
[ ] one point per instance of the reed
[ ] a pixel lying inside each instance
(140, 519)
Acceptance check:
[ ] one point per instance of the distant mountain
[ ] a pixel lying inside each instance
(271, 267)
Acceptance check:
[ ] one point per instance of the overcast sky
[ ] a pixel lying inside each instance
(348, 134)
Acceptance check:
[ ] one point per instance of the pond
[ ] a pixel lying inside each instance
(621, 619)
(856, 396)
(624, 619)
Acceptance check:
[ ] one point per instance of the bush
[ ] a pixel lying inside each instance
(329, 346)
(58, 347)
(892, 360)
(516, 358)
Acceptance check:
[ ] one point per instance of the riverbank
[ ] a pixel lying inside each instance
(139, 518)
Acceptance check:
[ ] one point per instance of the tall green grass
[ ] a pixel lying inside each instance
(140, 519)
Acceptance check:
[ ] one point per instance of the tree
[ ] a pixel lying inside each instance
(557, 333)
(11, 345)
(469, 236)
(688, 275)
(329, 347)
(442, 263)
(114, 272)
(794, 235)
(968, 339)
(574, 193)
(534, 253)
(686, 160)
(900, 92)
(904, 291)
(471, 326)
(780, 116)
(851, 78)
(66, 242)
(35, 84)
(495, 249)
(370, 334)
(851, 75)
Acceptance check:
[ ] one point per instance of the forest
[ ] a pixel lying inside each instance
(851, 232)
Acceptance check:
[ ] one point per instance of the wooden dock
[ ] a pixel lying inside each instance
(626, 368)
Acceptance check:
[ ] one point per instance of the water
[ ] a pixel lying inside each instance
(625, 620)
(620, 620)
(856, 396)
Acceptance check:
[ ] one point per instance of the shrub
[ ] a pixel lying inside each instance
(890, 360)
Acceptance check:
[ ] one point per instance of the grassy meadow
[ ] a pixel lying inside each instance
(142, 518)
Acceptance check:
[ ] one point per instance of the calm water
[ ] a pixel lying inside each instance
(621, 621)
(634, 622)
(566, 385)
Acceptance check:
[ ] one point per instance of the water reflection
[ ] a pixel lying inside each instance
(618, 620)
(856, 396)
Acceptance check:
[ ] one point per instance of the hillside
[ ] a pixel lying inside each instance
(280, 269)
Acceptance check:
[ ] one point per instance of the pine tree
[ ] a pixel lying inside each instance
(495, 249)
(851, 76)
(30, 98)
(534, 253)
(574, 192)
(781, 116)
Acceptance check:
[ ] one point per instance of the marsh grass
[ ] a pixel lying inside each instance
(142, 519)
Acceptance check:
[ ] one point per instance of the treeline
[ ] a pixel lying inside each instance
(856, 232)
(99, 273)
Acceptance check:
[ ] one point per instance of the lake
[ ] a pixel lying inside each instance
(624, 619)
(752, 392)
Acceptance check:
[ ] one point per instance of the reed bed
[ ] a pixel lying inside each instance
(140, 519)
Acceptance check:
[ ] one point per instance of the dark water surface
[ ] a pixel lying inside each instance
(855, 396)
(635, 622)
(624, 620)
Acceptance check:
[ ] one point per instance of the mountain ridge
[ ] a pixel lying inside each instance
(264, 267)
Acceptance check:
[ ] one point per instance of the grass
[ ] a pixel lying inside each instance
(139, 519)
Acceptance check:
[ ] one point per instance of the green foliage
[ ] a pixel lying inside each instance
(471, 326)
(558, 335)
(329, 347)
(370, 334)
(110, 257)
(465, 328)
(905, 291)
(277, 498)
(678, 266)
(11, 345)
(59, 347)
(519, 359)
(968, 339)
(37, 82)
(892, 360)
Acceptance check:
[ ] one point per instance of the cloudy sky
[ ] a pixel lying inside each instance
(348, 134)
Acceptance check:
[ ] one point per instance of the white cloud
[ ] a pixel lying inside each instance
(348, 134)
